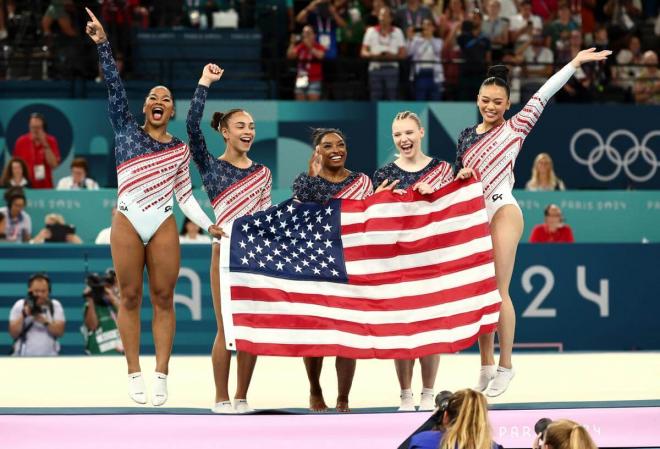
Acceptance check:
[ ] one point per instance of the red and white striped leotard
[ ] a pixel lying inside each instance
(493, 154)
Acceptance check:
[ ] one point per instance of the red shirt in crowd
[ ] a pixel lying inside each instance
(34, 155)
(541, 234)
(545, 8)
(308, 63)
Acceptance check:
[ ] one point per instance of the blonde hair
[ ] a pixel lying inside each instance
(54, 219)
(535, 181)
(468, 427)
(407, 114)
(567, 434)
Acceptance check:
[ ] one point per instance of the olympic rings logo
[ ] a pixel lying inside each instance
(630, 156)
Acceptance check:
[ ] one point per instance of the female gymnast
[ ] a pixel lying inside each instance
(152, 167)
(236, 186)
(424, 174)
(328, 178)
(490, 150)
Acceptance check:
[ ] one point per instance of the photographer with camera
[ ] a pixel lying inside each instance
(460, 421)
(37, 321)
(56, 230)
(99, 328)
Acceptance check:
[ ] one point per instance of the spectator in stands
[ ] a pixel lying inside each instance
(371, 19)
(350, 36)
(581, 87)
(78, 179)
(553, 229)
(36, 322)
(624, 14)
(508, 8)
(559, 31)
(15, 174)
(461, 422)
(3, 25)
(191, 233)
(56, 231)
(630, 56)
(39, 151)
(3, 227)
(496, 29)
(384, 45)
(543, 175)
(100, 332)
(564, 434)
(545, 9)
(524, 25)
(309, 75)
(59, 11)
(647, 86)
(475, 49)
(538, 66)
(427, 73)
(19, 224)
(103, 237)
(323, 17)
(410, 15)
(450, 27)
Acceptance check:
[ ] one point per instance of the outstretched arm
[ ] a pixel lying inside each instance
(120, 116)
(196, 139)
(525, 120)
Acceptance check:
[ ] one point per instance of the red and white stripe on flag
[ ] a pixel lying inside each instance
(421, 281)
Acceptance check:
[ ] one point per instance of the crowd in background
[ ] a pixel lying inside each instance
(415, 49)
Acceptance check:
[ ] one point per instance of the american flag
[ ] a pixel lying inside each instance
(391, 276)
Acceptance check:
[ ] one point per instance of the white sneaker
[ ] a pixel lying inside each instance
(407, 404)
(136, 388)
(241, 406)
(159, 389)
(223, 407)
(427, 402)
(500, 383)
(486, 374)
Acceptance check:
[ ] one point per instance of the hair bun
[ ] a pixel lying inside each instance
(499, 71)
(217, 118)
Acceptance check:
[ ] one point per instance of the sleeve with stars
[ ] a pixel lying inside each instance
(196, 140)
(120, 116)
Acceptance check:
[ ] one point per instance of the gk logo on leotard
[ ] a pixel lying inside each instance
(497, 196)
(617, 159)
(168, 208)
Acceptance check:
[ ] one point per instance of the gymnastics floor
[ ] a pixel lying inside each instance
(76, 402)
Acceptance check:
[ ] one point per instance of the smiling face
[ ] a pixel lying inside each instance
(407, 135)
(492, 102)
(17, 207)
(17, 170)
(240, 131)
(158, 107)
(333, 151)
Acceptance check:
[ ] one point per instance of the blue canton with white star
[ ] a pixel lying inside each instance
(130, 139)
(292, 240)
(217, 175)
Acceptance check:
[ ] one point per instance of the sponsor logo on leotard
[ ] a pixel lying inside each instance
(497, 196)
(168, 208)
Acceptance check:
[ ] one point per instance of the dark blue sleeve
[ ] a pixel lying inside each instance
(196, 140)
(458, 165)
(379, 176)
(120, 116)
(302, 187)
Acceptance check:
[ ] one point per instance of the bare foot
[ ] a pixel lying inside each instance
(342, 407)
(316, 403)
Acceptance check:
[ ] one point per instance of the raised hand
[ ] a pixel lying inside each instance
(589, 55)
(315, 163)
(94, 29)
(211, 74)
